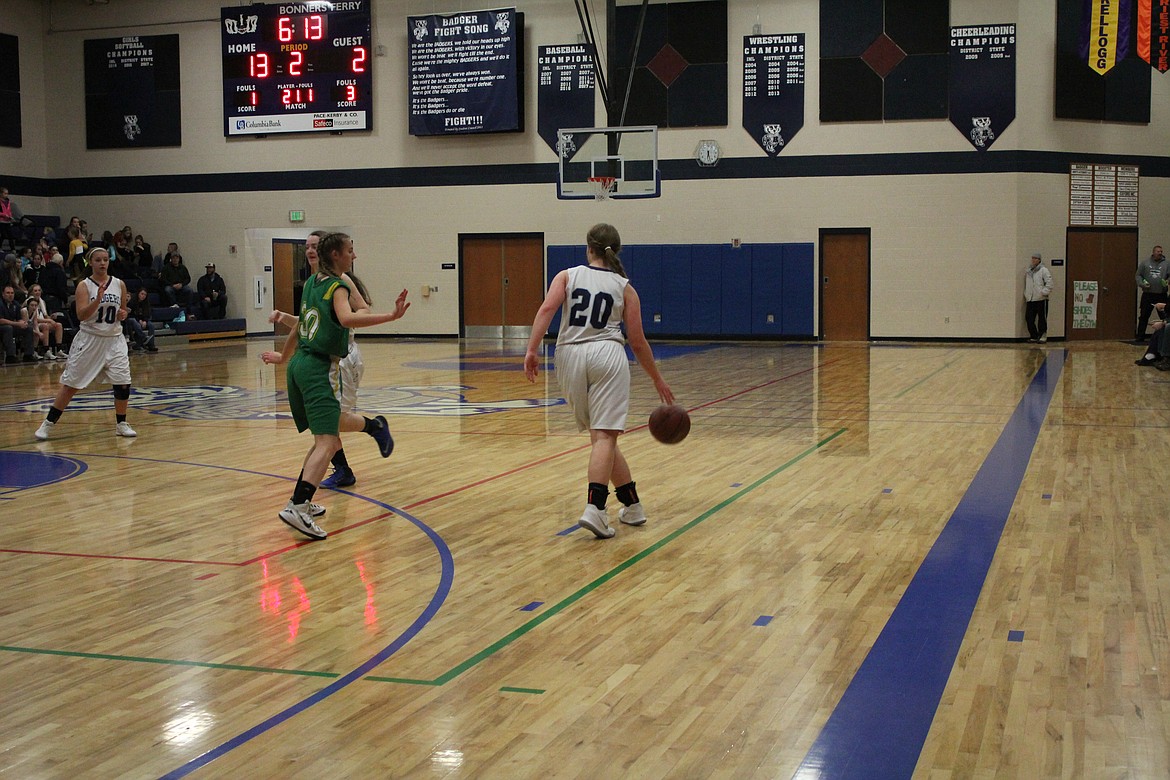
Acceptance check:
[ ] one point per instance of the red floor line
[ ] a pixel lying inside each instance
(118, 557)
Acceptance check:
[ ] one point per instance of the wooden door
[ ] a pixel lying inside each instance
(845, 284)
(1109, 258)
(285, 292)
(502, 284)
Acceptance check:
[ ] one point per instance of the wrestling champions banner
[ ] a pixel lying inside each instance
(773, 89)
(1106, 33)
(1153, 33)
(983, 81)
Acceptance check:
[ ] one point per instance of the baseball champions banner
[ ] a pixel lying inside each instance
(1153, 33)
(1106, 33)
(983, 82)
(564, 91)
(773, 89)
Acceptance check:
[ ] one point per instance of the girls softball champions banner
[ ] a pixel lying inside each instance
(466, 72)
(132, 97)
(1153, 33)
(983, 81)
(773, 89)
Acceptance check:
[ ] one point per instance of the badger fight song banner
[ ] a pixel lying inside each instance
(983, 81)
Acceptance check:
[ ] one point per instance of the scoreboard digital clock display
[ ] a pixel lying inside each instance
(297, 68)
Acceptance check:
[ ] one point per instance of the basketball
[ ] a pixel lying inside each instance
(670, 423)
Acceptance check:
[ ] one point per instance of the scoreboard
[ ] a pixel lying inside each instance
(296, 67)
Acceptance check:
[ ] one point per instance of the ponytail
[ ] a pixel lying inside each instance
(605, 242)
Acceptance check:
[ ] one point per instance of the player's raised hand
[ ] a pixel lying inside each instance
(401, 304)
(275, 316)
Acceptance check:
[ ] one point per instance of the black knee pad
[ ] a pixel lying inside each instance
(121, 392)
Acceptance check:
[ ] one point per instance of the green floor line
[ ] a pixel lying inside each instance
(165, 661)
(510, 689)
(572, 598)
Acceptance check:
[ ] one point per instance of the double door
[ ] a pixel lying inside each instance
(502, 284)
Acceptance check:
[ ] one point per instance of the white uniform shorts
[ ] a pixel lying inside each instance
(349, 370)
(595, 379)
(90, 356)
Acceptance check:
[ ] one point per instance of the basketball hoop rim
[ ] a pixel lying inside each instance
(606, 185)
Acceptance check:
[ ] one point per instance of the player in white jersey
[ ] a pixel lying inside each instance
(99, 346)
(592, 368)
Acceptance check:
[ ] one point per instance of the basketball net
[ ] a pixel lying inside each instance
(604, 186)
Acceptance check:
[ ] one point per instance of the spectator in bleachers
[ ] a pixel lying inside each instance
(25, 256)
(14, 328)
(121, 263)
(55, 281)
(143, 258)
(212, 295)
(48, 332)
(176, 280)
(163, 260)
(139, 322)
(10, 216)
(32, 275)
(75, 262)
(11, 274)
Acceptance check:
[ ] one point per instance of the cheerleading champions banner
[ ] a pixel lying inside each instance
(983, 82)
(1153, 33)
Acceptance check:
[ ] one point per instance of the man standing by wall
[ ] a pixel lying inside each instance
(1037, 287)
(1152, 277)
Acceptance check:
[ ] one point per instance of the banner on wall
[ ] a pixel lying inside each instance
(983, 82)
(564, 90)
(132, 97)
(1105, 33)
(773, 89)
(466, 72)
(1153, 33)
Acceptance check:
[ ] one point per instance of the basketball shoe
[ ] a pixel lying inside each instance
(298, 516)
(124, 429)
(316, 510)
(632, 514)
(339, 478)
(43, 432)
(381, 435)
(595, 521)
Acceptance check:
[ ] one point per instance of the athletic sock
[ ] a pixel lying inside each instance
(627, 493)
(303, 492)
(54, 414)
(120, 418)
(597, 495)
(339, 462)
(370, 426)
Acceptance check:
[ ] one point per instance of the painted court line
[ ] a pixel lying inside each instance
(576, 596)
(878, 728)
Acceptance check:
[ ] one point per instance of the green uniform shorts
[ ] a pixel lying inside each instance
(311, 395)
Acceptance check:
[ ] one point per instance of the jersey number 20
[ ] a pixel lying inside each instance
(596, 315)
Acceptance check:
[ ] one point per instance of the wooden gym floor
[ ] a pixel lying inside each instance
(867, 561)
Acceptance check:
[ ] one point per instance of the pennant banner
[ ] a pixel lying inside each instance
(1153, 33)
(564, 91)
(773, 89)
(983, 81)
(1105, 33)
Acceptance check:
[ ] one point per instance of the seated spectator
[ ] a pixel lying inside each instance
(212, 295)
(32, 275)
(48, 332)
(121, 263)
(1158, 348)
(10, 217)
(143, 259)
(15, 331)
(176, 281)
(161, 261)
(138, 323)
(10, 274)
(55, 282)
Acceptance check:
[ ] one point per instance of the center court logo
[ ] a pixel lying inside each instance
(226, 402)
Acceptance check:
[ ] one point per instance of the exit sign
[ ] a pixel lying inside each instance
(296, 216)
